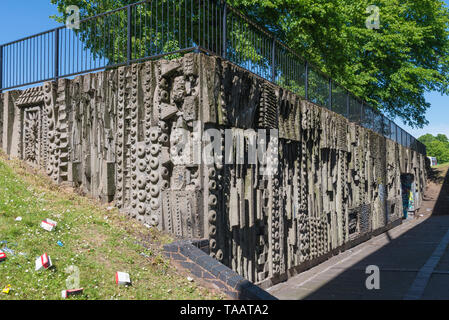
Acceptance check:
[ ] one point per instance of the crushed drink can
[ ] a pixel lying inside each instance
(2, 256)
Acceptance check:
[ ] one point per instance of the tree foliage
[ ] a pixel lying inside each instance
(437, 147)
(391, 67)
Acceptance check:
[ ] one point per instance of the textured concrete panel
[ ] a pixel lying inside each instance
(116, 136)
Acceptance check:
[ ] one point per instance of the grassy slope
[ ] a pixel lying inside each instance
(99, 242)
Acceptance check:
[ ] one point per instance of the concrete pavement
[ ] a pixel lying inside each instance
(413, 260)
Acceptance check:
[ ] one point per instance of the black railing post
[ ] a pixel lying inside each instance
(129, 38)
(361, 113)
(56, 54)
(224, 27)
(273, 61)
(347, 105)
(330, 94)
(390, 130)
(397, 133)
(306, 88)
(1, 69)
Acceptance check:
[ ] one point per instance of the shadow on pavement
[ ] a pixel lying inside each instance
(399, 262)
(442, 204)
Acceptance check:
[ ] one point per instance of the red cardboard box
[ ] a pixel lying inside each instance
(68, 293)
(43, 262)
(122, 278)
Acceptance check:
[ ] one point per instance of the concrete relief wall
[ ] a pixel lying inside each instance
(114, 135)
(1, 120)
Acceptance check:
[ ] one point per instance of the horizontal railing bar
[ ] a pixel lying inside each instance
(204, 50)
(105, 67)
(64, 26)
(29, 37)
(164, 54)
(253, 23)
(28, 84)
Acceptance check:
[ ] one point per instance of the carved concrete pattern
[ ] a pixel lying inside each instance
(62, 134)
(32, 135)
(240, 109)
(276, 222)
(120, 141)
(1, 121)
(217, 182)
(289, 113)
(136, 150)
(31, 97)
(52, 164)
(157, 181)
(33, 126)
(268, 109)
(117, 136)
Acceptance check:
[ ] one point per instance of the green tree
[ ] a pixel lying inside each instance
(391, 67)
(439, 150)
(437, 147)
(426, 139)
(442, 138)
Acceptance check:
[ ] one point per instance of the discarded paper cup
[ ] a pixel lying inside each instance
(122, 278)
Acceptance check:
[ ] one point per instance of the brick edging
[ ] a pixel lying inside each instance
(193, 256)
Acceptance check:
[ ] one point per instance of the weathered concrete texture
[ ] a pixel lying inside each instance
(113, 134)
(1, 120)
(11, 126)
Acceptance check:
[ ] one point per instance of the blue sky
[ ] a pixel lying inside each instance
(22, 18)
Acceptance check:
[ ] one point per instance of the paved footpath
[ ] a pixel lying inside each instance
(413, 260)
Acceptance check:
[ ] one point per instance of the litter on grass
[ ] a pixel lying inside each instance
(73, 292)
(2, 256)
(48, 224)
(43, 262)
(122, 278)
(7, 289)
(10, 251)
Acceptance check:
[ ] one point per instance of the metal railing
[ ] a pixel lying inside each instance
(154, 28)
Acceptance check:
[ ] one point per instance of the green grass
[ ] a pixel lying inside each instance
(97, 241)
